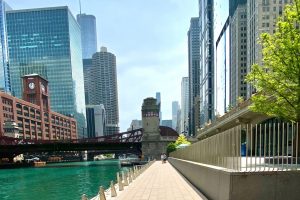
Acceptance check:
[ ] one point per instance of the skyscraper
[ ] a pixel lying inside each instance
(102, 89)
(87, 73)
(238, 54)
(96, 120)
(175, 108)
(194, 72)
(47, 41)
(206, 61)
(260, 19)
(4, 64)
(158, 101)
(184, 104)
(88, 34)
(221, 39)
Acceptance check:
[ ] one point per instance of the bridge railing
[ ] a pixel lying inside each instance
(250, 147)
(130, 136)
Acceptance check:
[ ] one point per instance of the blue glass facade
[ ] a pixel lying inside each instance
(4, 65)
(206, 61)
(47, 41)
(222, 72)
(88, 34)
(222, 56)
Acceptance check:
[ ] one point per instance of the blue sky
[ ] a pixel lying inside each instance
(149, 39)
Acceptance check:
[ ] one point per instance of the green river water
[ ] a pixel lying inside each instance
(63, 181)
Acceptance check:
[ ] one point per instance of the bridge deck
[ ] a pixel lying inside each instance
(160, 182)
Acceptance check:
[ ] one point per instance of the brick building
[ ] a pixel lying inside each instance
(33, 115)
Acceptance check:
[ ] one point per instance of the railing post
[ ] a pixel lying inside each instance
(124, 177)
(101, 194)
(121, 187)
(133, 173)
(129, 176)
(113, 191)
(84, 197)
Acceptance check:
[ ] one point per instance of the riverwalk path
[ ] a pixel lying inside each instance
(160, 182)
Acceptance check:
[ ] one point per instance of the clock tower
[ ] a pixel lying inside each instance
(35, 90)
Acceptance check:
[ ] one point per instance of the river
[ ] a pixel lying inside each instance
(62, 181)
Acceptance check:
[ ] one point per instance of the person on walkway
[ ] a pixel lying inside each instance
(162, 158)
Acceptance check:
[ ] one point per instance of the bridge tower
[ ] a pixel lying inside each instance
(152, 147)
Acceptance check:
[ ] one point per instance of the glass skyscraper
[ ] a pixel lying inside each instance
(47, 41)
(194, 74)
(4, 64)
(222, 57)
(206, 61)
(88, 34)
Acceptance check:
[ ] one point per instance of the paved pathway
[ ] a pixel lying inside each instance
(160, 182)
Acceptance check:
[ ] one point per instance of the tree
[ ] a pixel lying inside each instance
(181, 140)
(171, 147)
(277, 80)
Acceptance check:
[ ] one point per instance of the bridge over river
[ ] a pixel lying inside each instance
(123, 142)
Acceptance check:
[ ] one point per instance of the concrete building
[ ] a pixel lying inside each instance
(167, 123)
(184, 104)
(96, 120)
(194, 71)
(101, 86)
(4, 61)
(178, 123)
(47, 41)
(175, 108)
(88, 34)
(135, 124)
(238, 54)
(32, 116)
(261, 17)
(158, 99)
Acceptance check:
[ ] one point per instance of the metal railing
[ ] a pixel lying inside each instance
(248, 147)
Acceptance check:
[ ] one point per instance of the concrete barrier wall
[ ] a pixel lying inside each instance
(220, 184)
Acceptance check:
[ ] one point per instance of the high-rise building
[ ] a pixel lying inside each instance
(88, 77)
(135, 124)
(96, 120)
(158, 101)
(47, 41)
(194, 72)
(4, 62)
(88, 34)
(238, 54)
(206, 61)
(175, 108)
(167, 122)
(178, 123)
(221, 40)
(261, 17)
(102, 87)
(184, 104)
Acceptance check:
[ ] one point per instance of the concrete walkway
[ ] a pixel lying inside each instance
(160, 182)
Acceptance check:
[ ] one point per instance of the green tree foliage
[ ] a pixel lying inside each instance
(171, 147)
(277, 79)
(181, 140)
